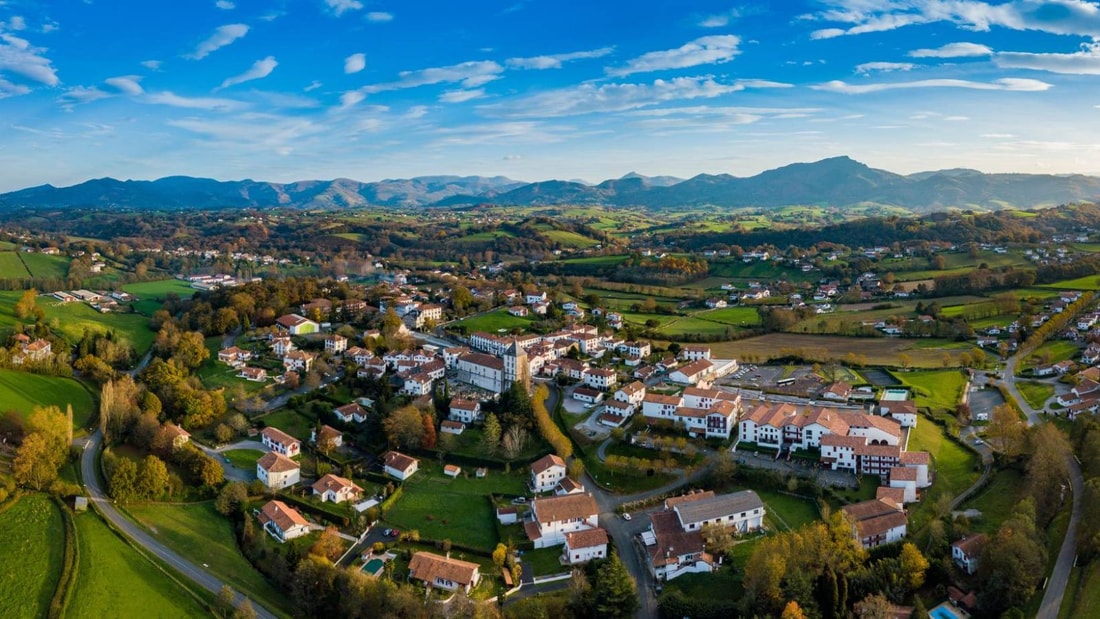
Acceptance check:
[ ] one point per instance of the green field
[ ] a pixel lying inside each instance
(21, 391)
(71, 319)
(1083, 600)
(11, 267)
(114, 580)
(151, 295)
(456, 509)
(493, 322)
(996, 501)
(204, 536)
(47, 267)
(740, 315)
(569, 239)
(294, 423)
(1052, 351)
(243, 458)
(1035, 393)
(937, 390)
(684, 326)
(953, 464)
(1088, 282)
(789, 512)
(31, 556)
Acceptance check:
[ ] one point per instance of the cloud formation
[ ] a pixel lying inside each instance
(704, 50)
(225, 5)
(259, 70)
(18, 56)
(339, 7)
(126, 84)
(1009, 84)
(555, 61)
(168, 97)
(953, 50)
(883, 67)
(1084, 62)
(379, 16)
(355, 63)
(459, 96)
(469, 74)
(223, 36)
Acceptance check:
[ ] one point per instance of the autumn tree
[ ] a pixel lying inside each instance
(27, 304)
(152, 480)
(232, 498)
(1012, 562)
(1046, 476)
(1005, 431)
(792, 611)
(428, 439)
(913, 566)
(404, 427)
(122, 481)
(328, 545)
(490, 434)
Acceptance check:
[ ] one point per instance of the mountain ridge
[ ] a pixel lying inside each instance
(832, 182)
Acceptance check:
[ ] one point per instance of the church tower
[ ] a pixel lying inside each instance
(516, 366)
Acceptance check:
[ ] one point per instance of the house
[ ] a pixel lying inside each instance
(552, 517)
(295, 324)
(283, 522)
(838, 391)
(333, 437)
(178, 434)
(583, 546)
(742, 511)
(507, 515)
(336, 344)
(465, 411)
(966, 552)
(277, 471)
(905, 478)
(298, 361)
(692, 373)
(359, 355)
(256, 375)
(482, 370)
(448, 426)
(399, 465)
(674, 541)
(568, 486)
(695, 353)
(519, 311)
(281, 442)
(452, 470)
(876, 522)
(546, 472)
(903, 411)
(353, 412)
(336, 489)
(587, 395)
(443, 572)
(281, 345)
(599, 378)
(233, 355)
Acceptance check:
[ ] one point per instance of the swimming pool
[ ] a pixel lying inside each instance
(945, 611)
(374, 567)
(895, 395)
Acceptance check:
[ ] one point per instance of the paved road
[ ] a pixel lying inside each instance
(233, 473)
(1059, 576)
(140, 536)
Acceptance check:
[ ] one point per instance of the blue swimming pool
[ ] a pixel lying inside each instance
(943, 611)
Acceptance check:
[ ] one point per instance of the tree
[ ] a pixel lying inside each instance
(223, 605)
(232, 498)
(575, 469)
(328, 545)
(613, 592)
(792, 611)
(244, 610)
(35, 464)
(913, 566)
(1047, 474)
(427, 441)
(490, 434)
(153, 478)
(223, 433)
(1012, 562)
(123, 479)
(1006, 431)
(500, 554)
(874, 606)
(717, 537)
(404, 427)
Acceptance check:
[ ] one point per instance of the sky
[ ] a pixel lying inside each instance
(285, 90)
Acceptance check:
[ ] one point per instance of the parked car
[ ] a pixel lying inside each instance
(626, 517)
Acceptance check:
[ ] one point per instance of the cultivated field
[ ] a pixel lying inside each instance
(11, 267)
(21, 391)
(46, 267)
(31, 555)
(876, 350)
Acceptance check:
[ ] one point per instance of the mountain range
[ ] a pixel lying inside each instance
(834, 182)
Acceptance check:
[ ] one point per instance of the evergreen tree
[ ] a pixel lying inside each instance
(613, 593)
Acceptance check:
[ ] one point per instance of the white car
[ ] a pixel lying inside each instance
(626, 517)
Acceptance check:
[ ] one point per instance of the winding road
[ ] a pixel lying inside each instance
(138, 535)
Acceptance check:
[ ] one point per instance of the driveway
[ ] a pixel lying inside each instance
(138, 535)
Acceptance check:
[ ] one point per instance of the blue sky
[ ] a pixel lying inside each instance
(535, 89)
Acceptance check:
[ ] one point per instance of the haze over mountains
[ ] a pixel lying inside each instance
(837, 182)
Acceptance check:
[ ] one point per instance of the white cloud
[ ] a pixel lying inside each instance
(355, 63)
(884, 67)
(314, 85)
(15, 23)
(953, 50)
(591, 98)
(167, 97)
(225, 5)
(223, 36)
(704, 50)
(127, 84)
(152, 65)
(510, 132)
(512, 157)
(998, 136)
(339, 7)
(555, 61)
(956, 118)
(266, 132)
(417, 111)
(379, 16)
(1077, 17)
(469, 74)
(18, 56)
(719, 20)
(259, 70)
(459, 96)
(7, 89)
(82, 94)
(1084, 62)
(351, 98)
(1009, 84)
(285, 101)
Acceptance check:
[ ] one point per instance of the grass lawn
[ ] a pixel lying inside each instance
(1050, 352)
(73, 318)
(623, 482)
(204, 536)
(940, 391)
(113, 580)
(741, 315)
(151, 295)
(299, 425)
(1035, 393)
(1088, 282)
(789, 512)
(44, 266)
(493, 322)
(876, 350)
(545, 561)
(22, 392)
(1084, 599)
(244, 458)
(690, 324)
(11, 267)
(953, 464)
(996, 501)
(32, 555)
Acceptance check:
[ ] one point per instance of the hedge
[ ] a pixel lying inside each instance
(66, 581)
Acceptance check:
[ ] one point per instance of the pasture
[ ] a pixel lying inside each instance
(1088, 282)
(493, 322)
(954, 466)
(44, 266)
(11, 267)
(32, 556)
(871, 350)
(939, 391)
(202, 535)
(21, 391)
(71, 320)
(114, 580)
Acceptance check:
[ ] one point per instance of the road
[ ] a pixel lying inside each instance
(232, 473)
(138, 535)
(1059, 576)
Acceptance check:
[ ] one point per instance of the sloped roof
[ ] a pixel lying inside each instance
(428, 566)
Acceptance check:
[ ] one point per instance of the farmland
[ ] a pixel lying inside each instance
(875, 350)
(11, 267)
(493, 322)
(22, 392)
(74, 318)
(114, 580)
(44, 266)
(940, 391)
(32, 556)
(152, 294)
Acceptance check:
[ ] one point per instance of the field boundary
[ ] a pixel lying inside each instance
(70, 565)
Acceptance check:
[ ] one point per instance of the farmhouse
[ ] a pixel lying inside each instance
(298, 361)
(443, 572)
(336, 344)
(553, 517)
(297, 325)
(233, 355)
(674, 542)
(399, 465)
(281, 442)
(277, 471)
(546, 472)
(178, 434)
(336, 489)
(283, 522)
